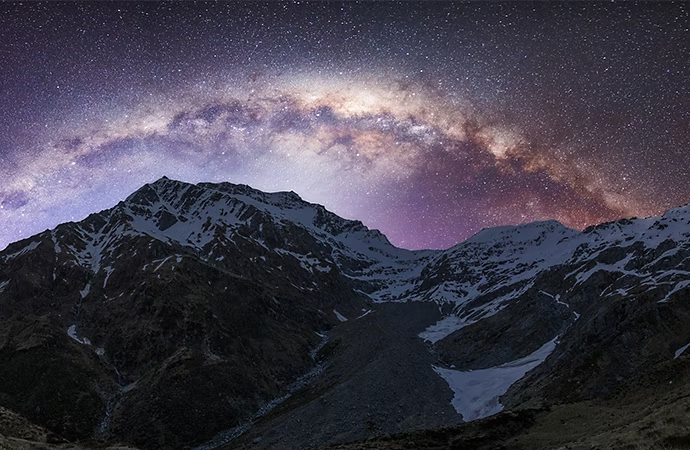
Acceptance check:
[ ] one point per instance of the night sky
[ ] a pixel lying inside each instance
(428, 121)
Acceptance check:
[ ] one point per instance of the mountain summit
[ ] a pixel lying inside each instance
(217, 315)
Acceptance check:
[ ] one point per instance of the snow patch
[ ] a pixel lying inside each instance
(340, 316)
(32, 246)
(3, 285)
(369, 311)
(161, 264)
(619, 266)
(72, 332)
(55, 242)
(108, 270)
(558, 300)
(682, 285)
(477, 392)
(443, 328)
(305, 261)
(680, 351)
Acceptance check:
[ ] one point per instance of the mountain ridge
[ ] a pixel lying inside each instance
(253, 308)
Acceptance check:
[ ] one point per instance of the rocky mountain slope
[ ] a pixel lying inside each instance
(216, 315)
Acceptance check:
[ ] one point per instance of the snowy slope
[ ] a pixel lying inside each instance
(477, 392)
(481, 275)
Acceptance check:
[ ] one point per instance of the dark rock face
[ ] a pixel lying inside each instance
(611, 343)
(50, 381)
(513, 333)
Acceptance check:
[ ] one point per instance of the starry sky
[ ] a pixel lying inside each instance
(426, 120)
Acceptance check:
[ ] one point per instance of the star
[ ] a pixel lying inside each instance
(427, 121)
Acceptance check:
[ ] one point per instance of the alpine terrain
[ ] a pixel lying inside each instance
(218, 316)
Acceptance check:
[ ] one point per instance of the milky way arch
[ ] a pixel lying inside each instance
(427, 121)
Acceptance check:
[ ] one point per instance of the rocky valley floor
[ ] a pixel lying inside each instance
(378, 380)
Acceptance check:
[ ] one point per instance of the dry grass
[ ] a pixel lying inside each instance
(17, 433)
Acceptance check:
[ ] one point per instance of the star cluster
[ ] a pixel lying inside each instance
(426, 120)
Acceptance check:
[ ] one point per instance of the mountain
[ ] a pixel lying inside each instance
(220, 316)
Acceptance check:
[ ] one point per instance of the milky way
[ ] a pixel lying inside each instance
(428, 121)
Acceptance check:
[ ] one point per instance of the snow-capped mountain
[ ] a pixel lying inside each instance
(215, 314)
(510, 259)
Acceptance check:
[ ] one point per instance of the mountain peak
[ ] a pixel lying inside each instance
(520, 233)
(208, 214)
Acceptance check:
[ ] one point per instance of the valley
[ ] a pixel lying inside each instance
(218, 316)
